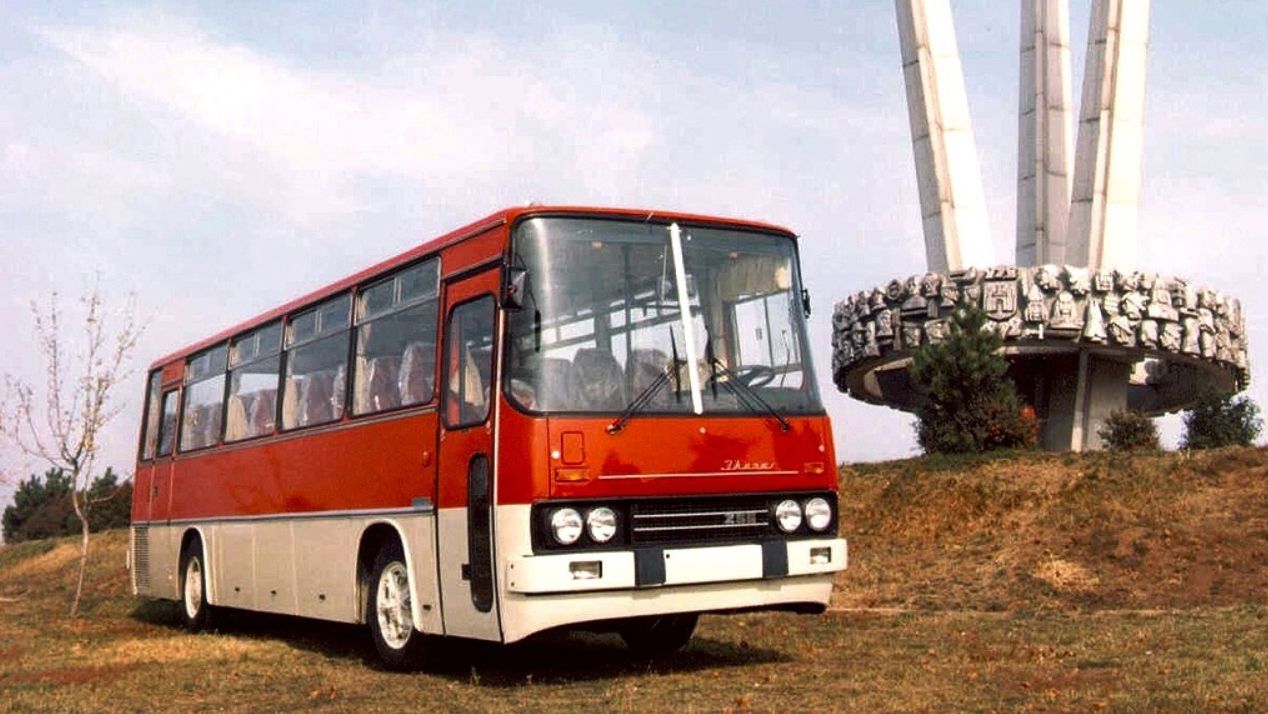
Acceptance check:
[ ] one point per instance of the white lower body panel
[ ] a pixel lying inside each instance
(303, 565)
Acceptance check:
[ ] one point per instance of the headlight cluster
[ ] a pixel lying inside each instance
(815, 512)
(567, 525)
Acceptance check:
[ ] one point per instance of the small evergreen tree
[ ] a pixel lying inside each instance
(114, 502)
(1221, 420)
(969, 403)
(1129, 431)
(42, 507)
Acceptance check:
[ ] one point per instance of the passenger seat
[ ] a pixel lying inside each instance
(646, 366)
(416, 373)
(381, 390)
(263, 412)
(315, 404)
(599, 380)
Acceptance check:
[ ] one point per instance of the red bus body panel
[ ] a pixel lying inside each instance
(655, 456)
(383, 463)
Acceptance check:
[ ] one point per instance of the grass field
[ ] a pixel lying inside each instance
(952, 601)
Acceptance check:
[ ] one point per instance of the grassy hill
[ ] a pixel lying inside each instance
(1009, 582)
(1045, 531)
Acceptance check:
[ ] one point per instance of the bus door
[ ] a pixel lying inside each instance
(464, 492)
(160, 559)
(160, 497)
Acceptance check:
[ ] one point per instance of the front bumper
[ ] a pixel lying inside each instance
(656, 567)
(545, 591)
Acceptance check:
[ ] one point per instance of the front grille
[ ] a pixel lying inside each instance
(678, 521)
(141, 558)
(706, 519)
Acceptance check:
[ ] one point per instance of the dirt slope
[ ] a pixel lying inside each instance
(1100, 531)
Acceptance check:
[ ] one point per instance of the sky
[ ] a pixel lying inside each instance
(217, 159)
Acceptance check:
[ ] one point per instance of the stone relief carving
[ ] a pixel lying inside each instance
(999, 299)
(1065, 313)
(1046, 303)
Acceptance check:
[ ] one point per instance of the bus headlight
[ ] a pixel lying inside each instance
(788, 515)
(601, 523)
(565, 526)
(818, 513)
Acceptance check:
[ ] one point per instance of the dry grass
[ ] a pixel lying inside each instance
(1051, 546)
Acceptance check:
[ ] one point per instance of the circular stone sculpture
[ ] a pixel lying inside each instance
(1178, 338)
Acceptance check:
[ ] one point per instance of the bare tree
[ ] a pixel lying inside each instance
(78, 404)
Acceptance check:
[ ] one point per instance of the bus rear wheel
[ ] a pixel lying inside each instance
(389, 611)
(196, 612)
(660, 635)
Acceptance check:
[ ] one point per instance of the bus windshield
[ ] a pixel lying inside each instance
(601, 320)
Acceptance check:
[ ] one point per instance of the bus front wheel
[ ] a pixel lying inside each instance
(389, 611)
(195, 610)
(660, 635)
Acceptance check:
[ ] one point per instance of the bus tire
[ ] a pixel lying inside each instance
(388, 611)
(196, 612)
(659, 635)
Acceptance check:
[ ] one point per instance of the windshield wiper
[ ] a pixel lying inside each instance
(644, 398)
(746, 394)
(649, 392)
(673, 346)
(712, 360)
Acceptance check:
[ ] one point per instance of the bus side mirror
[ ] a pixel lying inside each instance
(516, 285)
(805, 302)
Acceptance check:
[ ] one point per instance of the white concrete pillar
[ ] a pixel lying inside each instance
(1101, 390)
(952, 202)
(1045, 135)
(1103, 211)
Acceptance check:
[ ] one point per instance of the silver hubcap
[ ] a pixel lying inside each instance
(193, 587)
(392, 603)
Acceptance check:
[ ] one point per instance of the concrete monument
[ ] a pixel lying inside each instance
(1085, 333)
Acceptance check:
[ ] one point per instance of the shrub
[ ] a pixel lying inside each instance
(1221, 421)
(969, 403)
(1129, 431)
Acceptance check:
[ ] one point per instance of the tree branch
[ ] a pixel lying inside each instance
(74, 415)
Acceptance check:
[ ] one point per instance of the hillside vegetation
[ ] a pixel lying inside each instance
(1008, 583)
(1095, 531)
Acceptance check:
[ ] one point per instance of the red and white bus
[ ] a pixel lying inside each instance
(554, 416)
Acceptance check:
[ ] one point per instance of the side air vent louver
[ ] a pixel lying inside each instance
(141, 558)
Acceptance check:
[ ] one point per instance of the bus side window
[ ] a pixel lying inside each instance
(254, 364)
(395, 363)
(152, 400)
(204, 399)
(316, 363)
(167, 428)
(469, 361)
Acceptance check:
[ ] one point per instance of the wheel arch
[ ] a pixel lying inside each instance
(374, 536)
(196, 535)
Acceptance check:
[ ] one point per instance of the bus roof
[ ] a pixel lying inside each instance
(505, 216)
